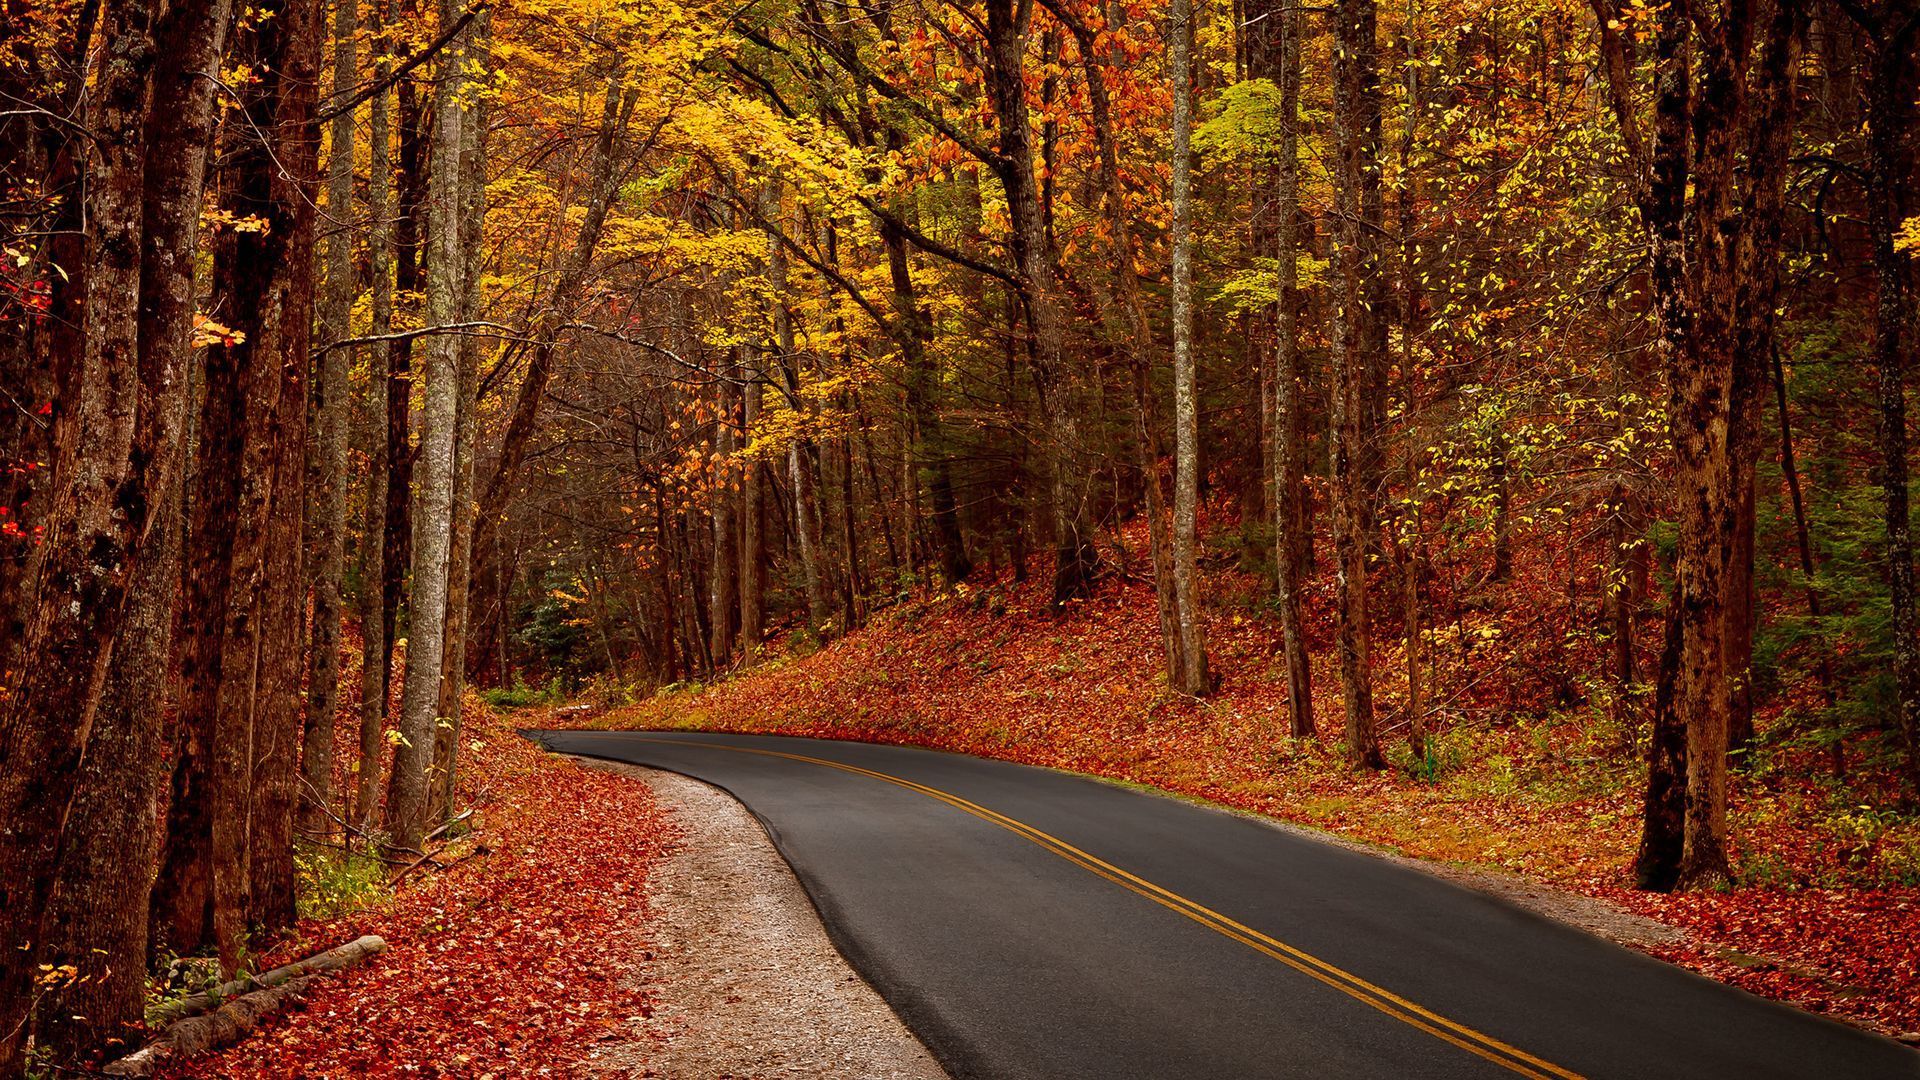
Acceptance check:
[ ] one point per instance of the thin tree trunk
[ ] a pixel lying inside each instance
(409, 788)
(374, 648)
(277, 714)
(931, 452)
(1075, 558)
(1664, 811)
(1140, 347)
(331, 412)
(1802, 533)
(1499, 473)
(806, 507)
(1626, 574)
(473, 212)
(752, 546)
(856, 585)
(396, 553)
(1886, 131)
(1290, 543)
(1758, 261)
(1186, 425)
(1356, 124)
(1410, 302)
(723, 595)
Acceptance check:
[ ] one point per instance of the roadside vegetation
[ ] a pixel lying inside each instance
(515, 952)
(1829, 895)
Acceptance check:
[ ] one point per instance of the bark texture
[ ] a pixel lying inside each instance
(1186, 409)
(1356, 121)
(410, 785)
(332, 413)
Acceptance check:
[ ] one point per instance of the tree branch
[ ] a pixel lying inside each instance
(398, 73)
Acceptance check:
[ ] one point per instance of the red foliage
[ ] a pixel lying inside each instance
(1552, 795)
(512, 963)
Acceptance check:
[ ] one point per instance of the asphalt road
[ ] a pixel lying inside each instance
(1027, 923)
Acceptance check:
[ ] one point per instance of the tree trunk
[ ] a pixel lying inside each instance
(1290, 543)
(205, 883)
(752, 547)
(1498, 473)
(1892, 316)
(1758, 260)
(396, 553)
(1139, 348)
(1409, 311)
(374, 618)
(1802, 533)
(332, 412)
(1356, 115)
(1705, 254)
(1664, 809)
(723, 580)
(806, 506)
(78, 577)
(410, 785)
(931, 452)
(1075, 558)
(277, 713)
(1186, 425)
(96, 913)
(473, 212)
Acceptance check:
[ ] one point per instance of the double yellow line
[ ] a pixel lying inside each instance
(1386, 1001)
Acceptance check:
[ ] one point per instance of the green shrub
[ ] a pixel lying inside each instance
(522, 696)
(332, 881)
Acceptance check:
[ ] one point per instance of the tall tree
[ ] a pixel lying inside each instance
(723, 580)
(81, 729)
(374, 666)
(1136, 333)
(476, 57)
(332, 412)
(409, 786)
(800, 473)
(1186, 424)
(752, 517)
(1722, 91)
(294, 190)
(1357, 225)
(1006, 37)
(1891, 27)
(1273, 52)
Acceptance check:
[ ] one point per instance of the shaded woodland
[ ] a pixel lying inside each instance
(360, 356)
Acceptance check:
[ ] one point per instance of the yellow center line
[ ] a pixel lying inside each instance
(1451, 1031)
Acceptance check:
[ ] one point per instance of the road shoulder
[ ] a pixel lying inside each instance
(747, 982)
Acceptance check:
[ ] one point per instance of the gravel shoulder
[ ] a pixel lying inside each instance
(747, 982)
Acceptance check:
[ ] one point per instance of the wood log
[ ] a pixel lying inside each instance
(237, 1008)
(197, 1034)
(333, 959)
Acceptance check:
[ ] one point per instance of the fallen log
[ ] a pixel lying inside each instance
(237, 1008)
(333, 959)
(222, 1027)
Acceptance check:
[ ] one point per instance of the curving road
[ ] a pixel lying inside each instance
(1027, 923)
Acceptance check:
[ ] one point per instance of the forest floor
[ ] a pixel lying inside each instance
(517, 959)
(1825, 917)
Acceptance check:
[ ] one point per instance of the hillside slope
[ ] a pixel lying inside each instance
(1515, 785)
